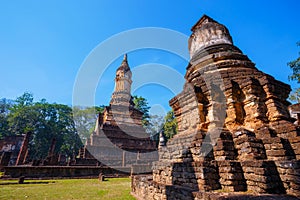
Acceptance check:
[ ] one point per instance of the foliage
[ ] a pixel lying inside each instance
(84, 118)
(142, 105)
(117, 188)
(158, 123)
(45, 121)
(295, 95)
(26, 99)
(170, 125)
(295, 66)
(5, 105)
(22, 116)
(155, 125)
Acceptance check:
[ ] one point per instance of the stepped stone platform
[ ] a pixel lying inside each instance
(236, 138)
(119, 138)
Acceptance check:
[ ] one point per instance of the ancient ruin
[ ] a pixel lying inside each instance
(235, 135)
(119, 138)
(9, 149)
(24, 150)
(118, 146)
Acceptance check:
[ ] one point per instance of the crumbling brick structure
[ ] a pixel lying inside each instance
(235, 134)
(119, 138)
(10, 149)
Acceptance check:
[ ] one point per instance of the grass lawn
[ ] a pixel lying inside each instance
(111, 189)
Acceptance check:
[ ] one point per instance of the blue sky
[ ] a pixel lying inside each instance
(44, 43)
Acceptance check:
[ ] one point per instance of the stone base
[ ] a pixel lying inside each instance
(241, 196)
(144, 188)
(63, 171)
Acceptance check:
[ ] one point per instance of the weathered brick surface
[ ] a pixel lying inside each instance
(236, 138)
(119, 138)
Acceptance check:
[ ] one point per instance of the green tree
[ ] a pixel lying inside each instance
(45, 121)
(22, 117)
(170, 125)
(295, 95)
(85, 120)
(4, 111)
(25, 100)
(295, 66)
(295, 76)
(142, 105)
(54, 121)
(155, 125)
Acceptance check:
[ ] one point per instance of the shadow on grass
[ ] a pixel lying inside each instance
(26, 183)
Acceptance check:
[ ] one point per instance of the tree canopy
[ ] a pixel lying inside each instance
(141, 104)
(5, 106)
(295, 66)
(45, 121)
(170, 125)
(155, 123)
(295, 76)
(84, 119)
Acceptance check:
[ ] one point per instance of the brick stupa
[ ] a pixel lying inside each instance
(235, 137)
(119, 138)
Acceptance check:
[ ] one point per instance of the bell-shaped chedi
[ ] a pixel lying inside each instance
(119, 138)
(235, 134)
(220, 72)
(207, 32)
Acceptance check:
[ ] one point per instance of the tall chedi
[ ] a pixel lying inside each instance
(122, 109)
(122, 91)
(119, 138)
(235, 135)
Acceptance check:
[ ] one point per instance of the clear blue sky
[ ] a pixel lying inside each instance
(44, 43)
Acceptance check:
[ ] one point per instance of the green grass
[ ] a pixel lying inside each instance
(112, 189)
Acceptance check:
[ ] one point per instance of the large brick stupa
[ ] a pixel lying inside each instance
(235, 137)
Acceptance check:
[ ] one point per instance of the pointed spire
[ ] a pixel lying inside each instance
(125, 59)
(121, 94)
(124, 65)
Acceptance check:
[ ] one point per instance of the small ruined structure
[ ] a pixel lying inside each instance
(235, 135)
(24, 150)
(9, 149)
(119, 138)
(52, 157)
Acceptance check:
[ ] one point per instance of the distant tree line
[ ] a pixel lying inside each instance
(45, 121)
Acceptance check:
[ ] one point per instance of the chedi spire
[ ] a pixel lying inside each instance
(121, 94)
